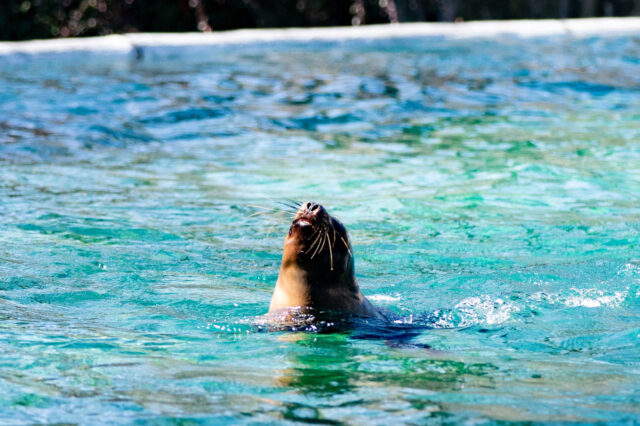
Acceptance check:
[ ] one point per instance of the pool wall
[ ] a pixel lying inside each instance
(137, 43)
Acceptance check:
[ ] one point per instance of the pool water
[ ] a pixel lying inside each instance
(491, 188)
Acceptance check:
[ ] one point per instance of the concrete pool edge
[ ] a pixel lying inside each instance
(137, 42)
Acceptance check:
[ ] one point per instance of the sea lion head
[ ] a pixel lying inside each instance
(317, 269)
(318, 243)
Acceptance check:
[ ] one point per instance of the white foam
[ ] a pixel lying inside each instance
(476, 310)
(478, 29)
(383, 298)
(594, 298)
(587, 298)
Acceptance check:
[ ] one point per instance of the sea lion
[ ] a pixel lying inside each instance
(317, 269)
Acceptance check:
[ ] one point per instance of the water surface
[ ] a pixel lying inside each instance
(491, 189)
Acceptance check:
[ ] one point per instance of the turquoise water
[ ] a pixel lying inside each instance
(491, 189)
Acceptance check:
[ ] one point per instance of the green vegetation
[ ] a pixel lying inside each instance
(27, 19)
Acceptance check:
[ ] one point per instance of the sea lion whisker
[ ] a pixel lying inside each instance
(273, 200)
(326, 235)
(294, 202)
(294, 208)
(346, 245)
(269, 199)
(271, 213)
(291, 210)
(264, 214)
(314, 241)
(315, 231)
(319, 248)
(268, 208)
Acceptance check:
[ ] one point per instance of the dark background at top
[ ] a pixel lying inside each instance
(29, 19)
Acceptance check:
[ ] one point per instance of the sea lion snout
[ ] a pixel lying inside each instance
(311, 206)
(310, 214)
(311, 209)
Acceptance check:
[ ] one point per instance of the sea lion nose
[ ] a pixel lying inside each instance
(312, 207)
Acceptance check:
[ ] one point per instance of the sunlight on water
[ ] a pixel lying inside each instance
(491, 189)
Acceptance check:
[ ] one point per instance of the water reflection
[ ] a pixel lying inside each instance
(320, 364)
(336, 371)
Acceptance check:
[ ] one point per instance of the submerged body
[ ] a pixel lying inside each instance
(317, 269)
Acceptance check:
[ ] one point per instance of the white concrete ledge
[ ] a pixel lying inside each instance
(448, 30)
(106, 44)
(128, 43)
(604, 26)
